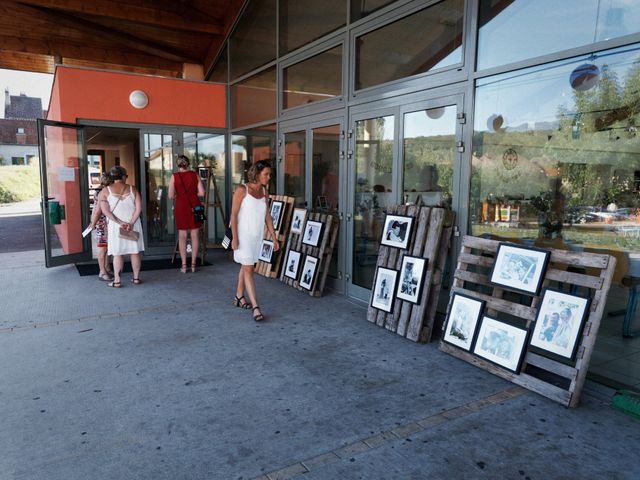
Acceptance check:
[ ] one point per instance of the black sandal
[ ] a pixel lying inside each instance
(237, 302)
(260, 316)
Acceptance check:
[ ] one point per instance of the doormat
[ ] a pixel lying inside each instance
(151, 264)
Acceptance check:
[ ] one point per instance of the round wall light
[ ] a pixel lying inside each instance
(435, 113)
(138, 99)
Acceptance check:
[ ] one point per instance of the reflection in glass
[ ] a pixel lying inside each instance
(325, 178)
(158, 159)
(513, 31)
(429, 152)
(254, 99)
(424, 41)
(253, 42)
(303, 21)
(207, 150)
(374, 172)
(250, 146)
(556, 162)
(294, 167)
(362, 8)
(219, 73)
(314, 79)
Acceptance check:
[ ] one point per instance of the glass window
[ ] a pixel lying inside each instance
(254, 100)
(294, 167)
(158, 158)
(424, 41)
(362, 8)
(206, 151)
(429, 150)
(303, 21)
(249, 147)
(373, 193)
(219, 73)
(253, 42)
(556, 162)
(314, 79)
(516, 30)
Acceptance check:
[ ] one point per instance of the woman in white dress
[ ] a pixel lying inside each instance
(249, 214)
(122, 205)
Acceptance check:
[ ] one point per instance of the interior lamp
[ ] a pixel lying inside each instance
(138, 99)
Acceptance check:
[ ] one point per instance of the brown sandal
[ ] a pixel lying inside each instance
(114, 284)
(260, 316)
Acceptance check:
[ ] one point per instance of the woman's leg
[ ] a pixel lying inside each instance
(194, 247)
(250, 284)
(182, 246)
(102, 260)
(240, 287)
(136, 264)
(118, 262)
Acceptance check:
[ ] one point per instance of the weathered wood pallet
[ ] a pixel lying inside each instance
(272, 270)
(558, 380)
(431, 240)
(324, 252)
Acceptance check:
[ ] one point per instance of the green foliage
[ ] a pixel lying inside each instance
(19, 183)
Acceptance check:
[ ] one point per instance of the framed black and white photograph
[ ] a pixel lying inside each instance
(277, 209)
(501, 343)
(297, 222)
(396, 231)
(384, 289)
(266, 251)
(412, 275)
(312, 231)
(292, 264)
(308, 274)
(559, 323)
(462, 321)
(519, 268)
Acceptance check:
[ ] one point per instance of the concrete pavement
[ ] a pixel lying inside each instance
(167, 380)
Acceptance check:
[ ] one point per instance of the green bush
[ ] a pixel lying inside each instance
(19, 183)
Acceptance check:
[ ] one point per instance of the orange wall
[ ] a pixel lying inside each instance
(98, 95)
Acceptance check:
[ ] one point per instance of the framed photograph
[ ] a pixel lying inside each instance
(277, 209)
(463, 319)
(396, 231)
(308, 272)
(501, 343)
(292, 265)
(266, 251)
(384, 289)
(519, 268)
(312, 231)
(412, 275)
(297, 222)
(559, 323)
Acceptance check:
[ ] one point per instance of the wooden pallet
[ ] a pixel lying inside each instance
(433, 228)
(324, 252)
(589, 272)
(272, 270)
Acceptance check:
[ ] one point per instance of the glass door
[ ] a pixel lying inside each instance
(294, 179)
(65, 193)
(158, 168)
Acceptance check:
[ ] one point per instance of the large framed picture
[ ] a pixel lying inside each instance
(384, 289)
(412, 274)
(308, 272)
(519, 268)
(277, 209)
(462, 322)
(559, 323)
(266, 251)
(297, 222)
(292, 265)
(396, 231)
(312, 231)
(501, 343)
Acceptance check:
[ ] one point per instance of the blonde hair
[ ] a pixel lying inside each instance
(183, 161)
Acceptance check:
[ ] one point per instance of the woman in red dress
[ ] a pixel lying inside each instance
(185, 187)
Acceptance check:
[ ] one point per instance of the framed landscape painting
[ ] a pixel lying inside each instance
(384, 289)
(559, 323)
(501, 343)
(463, 320)
(396, 231)
(412, 274)
(519, 268)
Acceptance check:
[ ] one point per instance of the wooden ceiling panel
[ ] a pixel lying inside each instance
(26, 61)
(123, 68)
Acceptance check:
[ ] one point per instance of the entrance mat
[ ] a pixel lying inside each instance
(151, 264)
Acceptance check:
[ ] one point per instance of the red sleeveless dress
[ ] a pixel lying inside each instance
(186, 185)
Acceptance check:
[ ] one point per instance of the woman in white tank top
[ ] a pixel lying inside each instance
(249, 214)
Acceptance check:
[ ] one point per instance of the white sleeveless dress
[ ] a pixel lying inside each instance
(250, 229)
(123, 210)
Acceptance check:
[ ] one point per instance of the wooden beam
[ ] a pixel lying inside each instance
(132, 13)
(121, 68)
(116, 36)
(27, 62)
